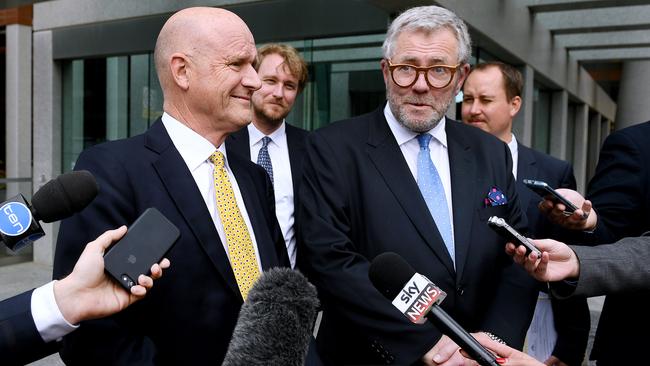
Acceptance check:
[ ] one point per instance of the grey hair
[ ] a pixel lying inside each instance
(429, 19)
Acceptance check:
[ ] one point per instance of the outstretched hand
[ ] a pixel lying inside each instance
(88, 293)
(584, 218)
(558, 262)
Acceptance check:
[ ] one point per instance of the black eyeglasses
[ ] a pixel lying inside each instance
(437, 76)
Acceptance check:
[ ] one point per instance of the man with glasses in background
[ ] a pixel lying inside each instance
(405, 179)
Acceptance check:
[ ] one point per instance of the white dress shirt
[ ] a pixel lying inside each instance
(195, 151)
(49, 321)
(514, 152)
(408, 143)
(282, 182)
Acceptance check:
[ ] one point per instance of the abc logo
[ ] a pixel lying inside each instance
(15, 218)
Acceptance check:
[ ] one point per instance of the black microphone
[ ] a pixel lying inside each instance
(275, 323)
(57, 199)
(416, 297)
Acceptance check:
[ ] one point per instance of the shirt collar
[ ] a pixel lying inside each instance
(403, 134)
(255, 136)
(194, 148)
(513, 145)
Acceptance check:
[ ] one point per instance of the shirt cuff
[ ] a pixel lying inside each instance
(50, 323)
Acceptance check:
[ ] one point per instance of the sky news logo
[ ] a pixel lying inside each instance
(417, 297)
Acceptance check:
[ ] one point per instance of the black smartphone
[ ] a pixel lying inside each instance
(501, 226)
(544, 190)
(145, 243)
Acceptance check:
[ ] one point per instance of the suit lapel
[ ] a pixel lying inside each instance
(296, 145)
(389, 161)
(526, 169)
(238, 143)
(182, 189)
(463, 172)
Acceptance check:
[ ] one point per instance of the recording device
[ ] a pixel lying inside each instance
(57, 199)
(275, 322)
(145, 243)
(544, 190)
(416, 297)
(501, 226)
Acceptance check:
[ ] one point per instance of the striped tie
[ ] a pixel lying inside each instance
(240, 246)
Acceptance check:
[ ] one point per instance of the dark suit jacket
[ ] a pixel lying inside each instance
(613, 268)
(571, 316)
(20, 342)
(620, 193)
(190, 314)
(359, 199)
(239, 143)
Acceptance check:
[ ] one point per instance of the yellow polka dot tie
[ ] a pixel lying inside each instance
(240, 246)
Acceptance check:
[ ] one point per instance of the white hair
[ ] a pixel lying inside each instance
(429, 18)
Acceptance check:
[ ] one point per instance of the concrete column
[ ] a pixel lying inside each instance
(522, 125)
(47, 131)
(633, 106)
(580, 143)
(594, 144)
(19, 107)
(559, 123)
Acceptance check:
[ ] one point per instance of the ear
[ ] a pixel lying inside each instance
(180, 70)
(385, 71)
(515, 105)
(462, 73)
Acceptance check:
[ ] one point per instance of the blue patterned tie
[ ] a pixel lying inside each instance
(263, 158)
(434, 193)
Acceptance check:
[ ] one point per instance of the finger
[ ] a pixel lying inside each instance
(542, 265)
(445, 352)
(510, 249)
(107, 238)
(138, 291)
(165, 263)
(551, 361)
(156, 271)
(145, 281)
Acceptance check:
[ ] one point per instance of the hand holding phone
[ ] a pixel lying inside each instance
(501, 226)
(145, 243)
(545, 191)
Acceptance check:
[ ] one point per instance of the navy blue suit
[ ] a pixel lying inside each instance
(189, 315)
(20, 342)
(571, 316)
(359, 199)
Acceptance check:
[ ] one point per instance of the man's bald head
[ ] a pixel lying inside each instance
(191, 31)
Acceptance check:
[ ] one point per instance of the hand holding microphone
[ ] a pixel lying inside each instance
(416, 297)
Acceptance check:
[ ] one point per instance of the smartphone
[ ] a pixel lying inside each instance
(544, 190)
(501, 226)
(145, 243)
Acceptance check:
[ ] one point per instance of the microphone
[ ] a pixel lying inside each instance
(416, 297)
(275, 322)
(57, 199)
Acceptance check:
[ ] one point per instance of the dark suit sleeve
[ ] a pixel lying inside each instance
(331, 260)
(510, 312)
(20, 342)
(617, 188)
(114, 340)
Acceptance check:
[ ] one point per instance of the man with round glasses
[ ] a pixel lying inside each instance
(405, 179)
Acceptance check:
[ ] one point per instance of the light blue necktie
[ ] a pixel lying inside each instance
(434, 193)
(263, 158)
